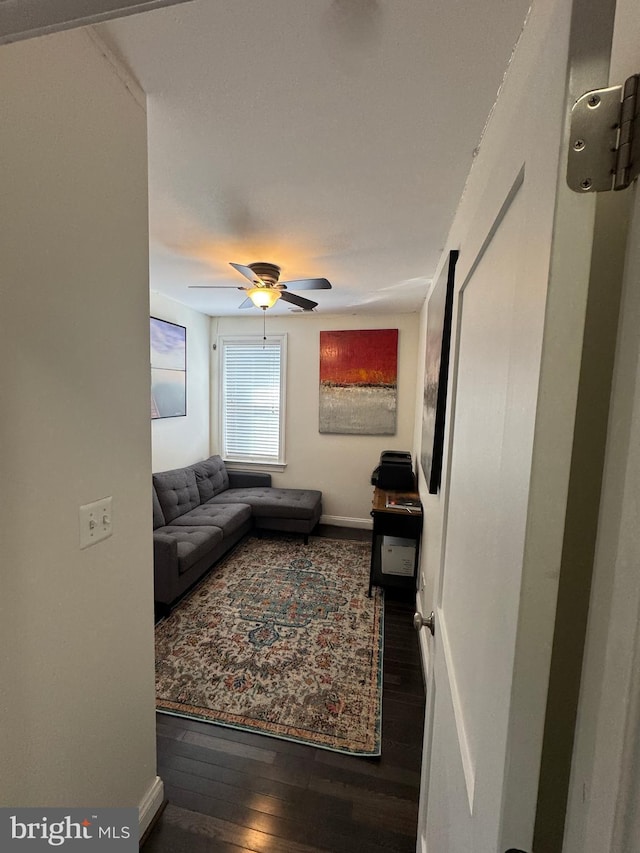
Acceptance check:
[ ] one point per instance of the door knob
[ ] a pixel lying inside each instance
(420, 621)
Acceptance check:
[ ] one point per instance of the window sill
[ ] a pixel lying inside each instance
(245, 465)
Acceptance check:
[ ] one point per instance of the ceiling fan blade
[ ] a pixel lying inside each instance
(300, 301)
(247, 272)
(216, 287)
(307, 284)
(246, 303)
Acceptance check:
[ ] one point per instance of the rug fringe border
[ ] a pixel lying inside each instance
(356, 754)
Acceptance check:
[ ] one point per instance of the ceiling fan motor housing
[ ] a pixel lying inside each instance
(269, 273)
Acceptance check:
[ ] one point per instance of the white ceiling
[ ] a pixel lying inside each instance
(332, 137)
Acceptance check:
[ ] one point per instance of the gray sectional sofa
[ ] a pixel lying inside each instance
(203, 510)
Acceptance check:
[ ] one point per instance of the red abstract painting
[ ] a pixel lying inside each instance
(358, 381)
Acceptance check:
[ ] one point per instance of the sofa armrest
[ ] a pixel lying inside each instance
(248, 479)
(165, 547)
(165, 567)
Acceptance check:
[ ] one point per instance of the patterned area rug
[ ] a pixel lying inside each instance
(281, 639)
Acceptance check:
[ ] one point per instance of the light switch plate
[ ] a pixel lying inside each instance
(95, 522)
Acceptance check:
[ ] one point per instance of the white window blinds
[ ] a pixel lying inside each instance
(252, 398)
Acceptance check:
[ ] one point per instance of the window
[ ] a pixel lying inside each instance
(252, 386)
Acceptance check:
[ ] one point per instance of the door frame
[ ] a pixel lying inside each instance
(605, 777)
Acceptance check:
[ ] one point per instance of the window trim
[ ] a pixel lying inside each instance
(265, 463)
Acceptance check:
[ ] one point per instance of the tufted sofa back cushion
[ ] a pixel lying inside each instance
(177, 492)
(211, 477)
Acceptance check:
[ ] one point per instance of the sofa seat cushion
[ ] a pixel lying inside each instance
(228, 517)
(211, 477)
(193, 542)
(274, 503)
(177, 492)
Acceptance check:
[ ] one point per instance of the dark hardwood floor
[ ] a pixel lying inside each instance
(233, 792)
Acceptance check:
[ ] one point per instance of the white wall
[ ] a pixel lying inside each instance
(339, 465)
(77, 710)
(180, 441)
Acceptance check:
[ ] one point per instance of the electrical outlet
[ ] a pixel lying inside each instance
(95, 522)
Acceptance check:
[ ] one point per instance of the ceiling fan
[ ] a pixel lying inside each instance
(266, 287)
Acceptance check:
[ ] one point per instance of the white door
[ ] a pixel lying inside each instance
(522, 282)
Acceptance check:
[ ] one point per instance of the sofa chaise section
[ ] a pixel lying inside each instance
(285, 510)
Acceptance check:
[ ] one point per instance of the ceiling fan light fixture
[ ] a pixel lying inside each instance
(263, 297)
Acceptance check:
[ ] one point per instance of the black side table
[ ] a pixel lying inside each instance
(396, 521)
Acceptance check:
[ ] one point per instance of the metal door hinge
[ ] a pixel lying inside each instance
(604, 148)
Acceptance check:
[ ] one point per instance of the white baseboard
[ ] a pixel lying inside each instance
(345, 521)
(150, 804)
